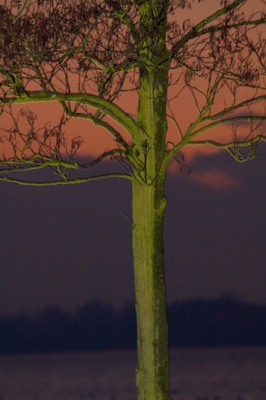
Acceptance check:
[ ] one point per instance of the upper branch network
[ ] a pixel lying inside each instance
(225, 51)
(47, 43)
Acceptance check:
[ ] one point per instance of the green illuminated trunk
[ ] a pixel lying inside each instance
(152, 375)
(148, 205)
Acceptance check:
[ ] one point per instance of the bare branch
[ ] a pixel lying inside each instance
(65, 182)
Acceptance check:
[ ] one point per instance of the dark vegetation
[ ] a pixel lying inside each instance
(96, 326)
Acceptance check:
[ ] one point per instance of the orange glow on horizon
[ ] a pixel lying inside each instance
(215, 179)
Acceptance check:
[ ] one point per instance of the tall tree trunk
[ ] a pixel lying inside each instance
(148, 205)
(152, 375)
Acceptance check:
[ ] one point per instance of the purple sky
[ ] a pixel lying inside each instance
(68, 245)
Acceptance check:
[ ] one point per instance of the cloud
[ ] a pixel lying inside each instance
(215, 179)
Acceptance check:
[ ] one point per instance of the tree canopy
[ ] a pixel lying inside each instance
(63, 50)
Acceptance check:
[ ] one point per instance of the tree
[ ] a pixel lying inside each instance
(46, 44)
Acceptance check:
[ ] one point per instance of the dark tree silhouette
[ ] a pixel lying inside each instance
(47, 45)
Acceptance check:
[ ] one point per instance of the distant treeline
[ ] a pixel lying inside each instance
(96, 326)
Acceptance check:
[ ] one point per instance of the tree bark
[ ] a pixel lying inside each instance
(148, 205)
(152, 374)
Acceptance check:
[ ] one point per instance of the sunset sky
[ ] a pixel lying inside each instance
(68, 245)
